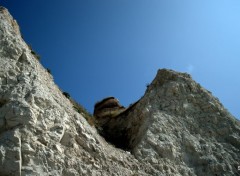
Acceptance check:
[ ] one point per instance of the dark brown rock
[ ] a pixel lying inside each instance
(108, 107)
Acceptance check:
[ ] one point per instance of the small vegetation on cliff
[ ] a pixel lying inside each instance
(49, 71)
(34, 53)
(67, 95)
(80, 109)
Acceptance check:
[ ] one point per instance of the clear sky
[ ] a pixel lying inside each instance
(100, 48)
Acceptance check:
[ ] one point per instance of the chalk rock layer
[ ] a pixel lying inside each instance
(176, 128)
(40, 131)
(179, 128)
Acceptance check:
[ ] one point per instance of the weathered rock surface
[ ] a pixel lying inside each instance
(179, 128)
(104, 111)
(108, 107)
(176, 128)
(40, 131)
(185, 130)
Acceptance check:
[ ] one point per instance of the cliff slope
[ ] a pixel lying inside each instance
(40, 131)
(176, 128)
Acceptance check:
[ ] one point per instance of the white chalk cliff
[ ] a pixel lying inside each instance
(176, 128)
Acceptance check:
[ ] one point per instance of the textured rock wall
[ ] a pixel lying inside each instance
(107, 108)
(40, 132)
(177, 128)
(180, 129)
(104, 111)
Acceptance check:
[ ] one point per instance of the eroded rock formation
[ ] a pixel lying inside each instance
(179, 123)
(41, 133)
(176, 128)
(105, 110)
(108, 107)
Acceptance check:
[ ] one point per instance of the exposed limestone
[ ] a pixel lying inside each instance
(176, 128)
(188, 130)
(40, 131)
(179, 128)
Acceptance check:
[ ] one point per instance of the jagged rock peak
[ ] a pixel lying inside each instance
(179, 126)
(167, 75)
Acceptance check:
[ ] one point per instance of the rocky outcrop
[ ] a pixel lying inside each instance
(176, 128)
(108, 107)
(41, 133)
(179, 128)
(104, 111)
(183, 125)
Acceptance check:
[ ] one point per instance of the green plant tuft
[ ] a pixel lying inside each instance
(81, 110)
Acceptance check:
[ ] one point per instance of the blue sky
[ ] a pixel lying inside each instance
(100, 48)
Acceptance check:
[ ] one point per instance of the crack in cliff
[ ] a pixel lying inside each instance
(112, 126)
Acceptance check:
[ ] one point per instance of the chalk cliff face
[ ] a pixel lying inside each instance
(40, 131)
(176, 128)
